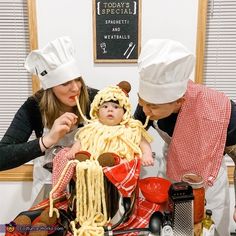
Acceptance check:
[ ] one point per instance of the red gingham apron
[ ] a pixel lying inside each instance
(199, 137)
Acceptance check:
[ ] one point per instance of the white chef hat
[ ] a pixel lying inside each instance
(55, 63)
(164, 68)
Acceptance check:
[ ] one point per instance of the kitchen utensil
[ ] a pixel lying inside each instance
(155, 189)
(127, 204)
(130, 45)
(154, 226)
(167, 227)
(131, 50)
(181, 205)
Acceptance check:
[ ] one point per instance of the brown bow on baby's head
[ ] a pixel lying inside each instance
(125, 86)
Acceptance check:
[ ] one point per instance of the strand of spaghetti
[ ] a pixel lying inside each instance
(97, 196)
(73, 201)
(89, 215)
(83, 202)
(86, 230)
(80, 111)
(146, 122)
(55, 188)
(132, 145)
(104, 205)
(96, 137)
(91, 193)
(81, 198)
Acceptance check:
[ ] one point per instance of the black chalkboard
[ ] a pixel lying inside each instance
(116, 30)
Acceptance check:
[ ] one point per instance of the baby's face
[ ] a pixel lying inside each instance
(110, 113)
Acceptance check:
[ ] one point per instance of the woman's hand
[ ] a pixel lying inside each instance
(61, 126)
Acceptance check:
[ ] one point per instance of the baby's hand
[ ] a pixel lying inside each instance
(147, 160)
(70, 155)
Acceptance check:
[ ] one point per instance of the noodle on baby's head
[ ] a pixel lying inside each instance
(111, 93)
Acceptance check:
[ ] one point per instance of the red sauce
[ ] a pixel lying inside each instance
(196, 182)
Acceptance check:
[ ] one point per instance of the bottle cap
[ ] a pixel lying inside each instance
(208, 212)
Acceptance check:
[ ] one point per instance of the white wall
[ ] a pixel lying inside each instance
(160, 19)
(14, 198)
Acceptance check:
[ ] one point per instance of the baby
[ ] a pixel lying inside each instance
(112, 129)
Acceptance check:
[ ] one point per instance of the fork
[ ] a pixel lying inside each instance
(130, 45)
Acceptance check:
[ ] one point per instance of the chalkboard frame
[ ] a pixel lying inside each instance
(130, 47)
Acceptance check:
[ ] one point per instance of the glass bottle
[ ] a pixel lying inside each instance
(197, 184)
(208, 225)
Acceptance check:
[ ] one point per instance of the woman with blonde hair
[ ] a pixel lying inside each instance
(50, 113)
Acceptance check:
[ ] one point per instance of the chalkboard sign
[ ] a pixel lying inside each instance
(116, 26)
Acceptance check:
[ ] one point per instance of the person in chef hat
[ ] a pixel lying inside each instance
(198, 124)
(51, 113)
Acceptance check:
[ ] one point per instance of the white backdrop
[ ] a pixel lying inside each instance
(160, 19)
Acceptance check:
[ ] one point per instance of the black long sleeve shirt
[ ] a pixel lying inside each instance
(15, 149)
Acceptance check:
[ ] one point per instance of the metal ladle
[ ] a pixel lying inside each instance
(154, 227)
(127, 203)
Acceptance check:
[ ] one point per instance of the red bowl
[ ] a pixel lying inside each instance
(155, 189)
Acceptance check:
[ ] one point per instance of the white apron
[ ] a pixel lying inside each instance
(41, 176)
(217, 196)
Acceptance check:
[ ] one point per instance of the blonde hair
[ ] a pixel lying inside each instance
(51, 107)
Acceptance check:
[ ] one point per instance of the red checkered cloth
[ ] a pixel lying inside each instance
(141, 215)
(60, 161)
(59, 195)
(124, 176)
(198, 141)
(60, 202)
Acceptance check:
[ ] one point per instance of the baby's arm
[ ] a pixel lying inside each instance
(74, 149)
(147, 159)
